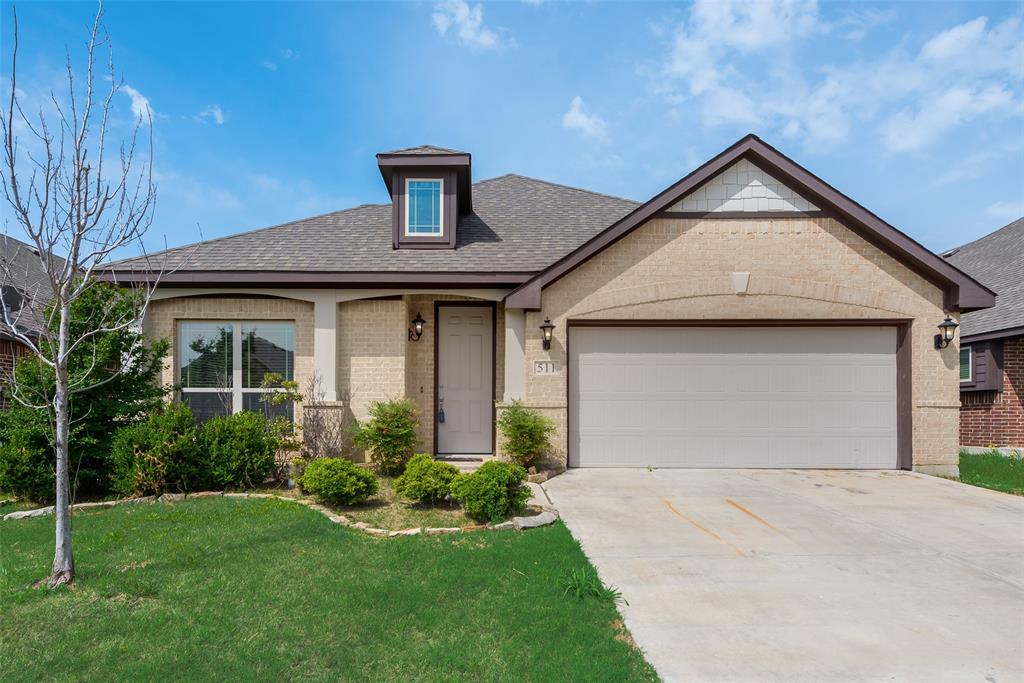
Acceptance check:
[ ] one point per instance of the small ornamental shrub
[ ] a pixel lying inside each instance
(239, 449)
(338, 481)
(526, 434)
(160, 454)
(425, 479)
(389, 436)
(26, 456)
(493, 492)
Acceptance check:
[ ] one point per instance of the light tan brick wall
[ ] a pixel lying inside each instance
(164, 314)
(371, 352)
(799, 268)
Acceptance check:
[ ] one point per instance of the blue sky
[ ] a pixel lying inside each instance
(267, 112)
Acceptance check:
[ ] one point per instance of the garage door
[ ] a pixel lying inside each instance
(732, 397)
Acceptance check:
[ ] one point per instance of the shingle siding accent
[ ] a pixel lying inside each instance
(743, 187)
(996, 418)
(811, 268)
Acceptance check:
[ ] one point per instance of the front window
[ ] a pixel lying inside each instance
(423, 207)
(222, 366)
(966, 364)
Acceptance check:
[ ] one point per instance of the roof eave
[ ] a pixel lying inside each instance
(333, 279)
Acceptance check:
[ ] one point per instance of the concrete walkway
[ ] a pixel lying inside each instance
(798, 575)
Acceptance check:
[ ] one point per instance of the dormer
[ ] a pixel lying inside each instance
(430, 191)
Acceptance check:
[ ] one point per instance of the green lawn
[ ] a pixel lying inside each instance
(993, 471)
(266, 589)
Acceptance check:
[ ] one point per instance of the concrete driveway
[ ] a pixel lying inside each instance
(800, 575)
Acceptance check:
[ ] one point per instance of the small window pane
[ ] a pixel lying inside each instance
(205, 355)
(253, 402)
(965, 364)
(207, 404)
(267, 347)
(424, 211)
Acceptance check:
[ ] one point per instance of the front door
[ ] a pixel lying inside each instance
(465, 380)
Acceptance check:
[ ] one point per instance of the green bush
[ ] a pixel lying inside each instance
(493, 492)
(425, 479)
(160, 454)
(525, 433)
(389, 436)
(338, 481)
(239, 449)
(26, 456)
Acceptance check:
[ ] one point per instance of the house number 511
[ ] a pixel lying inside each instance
(547, 367)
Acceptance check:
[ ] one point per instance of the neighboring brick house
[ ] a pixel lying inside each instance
(750, 315)
(21, 280)
(992, 342)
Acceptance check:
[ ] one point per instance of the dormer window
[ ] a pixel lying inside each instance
(423, 207)
(431, 191)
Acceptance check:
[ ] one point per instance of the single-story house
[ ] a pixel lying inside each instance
(749, 315)
(992, 342)
(22, 280)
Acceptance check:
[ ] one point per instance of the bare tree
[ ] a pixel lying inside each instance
(70, 199)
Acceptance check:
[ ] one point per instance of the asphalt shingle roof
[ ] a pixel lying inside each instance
(425, 149)
(23, 271)
(997, 261)
(518, 225)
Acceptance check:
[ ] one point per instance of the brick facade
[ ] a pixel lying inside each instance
(10, 352)
(996, 418)
(811, 268)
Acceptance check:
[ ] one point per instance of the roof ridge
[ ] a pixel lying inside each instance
(561, 185)
(953, 250)
(234, 235)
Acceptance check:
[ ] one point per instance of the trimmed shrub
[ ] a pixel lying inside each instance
(389, 436)
(526, 434)
(425, 479)
(239, 449)
(160, 454)
(338, 481)
(26, 456)
(493, 492)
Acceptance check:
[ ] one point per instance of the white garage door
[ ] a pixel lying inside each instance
(732, 397)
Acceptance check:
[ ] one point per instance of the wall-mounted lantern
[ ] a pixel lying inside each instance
(546, 329)
(946, 329)
(416, 331)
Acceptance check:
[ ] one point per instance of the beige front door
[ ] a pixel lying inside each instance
(465, 380)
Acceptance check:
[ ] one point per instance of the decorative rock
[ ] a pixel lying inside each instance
(442, 530)
(262, 495)
(376, 532)
(360, 525)
(100, 504)
(172, 497)
(543, 519)
(205, 494)
(474, 527)
(236, 495)
(142, 499)
(25, 514)
(504, 526)
(416, 531)
(538, 478)
(340, 519)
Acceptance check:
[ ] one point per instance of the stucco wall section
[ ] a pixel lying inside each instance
(164, 314)
(810, 268)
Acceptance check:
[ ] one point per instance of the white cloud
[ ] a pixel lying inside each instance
(591, 125)
(740, 64)
(466, 22)
(141, 108)
(269, 65)
(284, 54)
(1006, 211)
(213, 113)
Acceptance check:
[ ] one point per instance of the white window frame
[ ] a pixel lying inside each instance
(970, 363)
(236, 389)
(440, 207)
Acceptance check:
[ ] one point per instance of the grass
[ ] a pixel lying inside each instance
(266, 589)
(993, 471)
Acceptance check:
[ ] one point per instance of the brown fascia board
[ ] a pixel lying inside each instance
(961, 291)
(340, 280)
(991, 336)
(462, 163)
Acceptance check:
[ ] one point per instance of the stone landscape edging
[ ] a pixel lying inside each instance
(548, 514)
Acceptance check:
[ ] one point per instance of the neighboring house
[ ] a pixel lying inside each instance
(749, 315)
(21, 280)
(992, 342)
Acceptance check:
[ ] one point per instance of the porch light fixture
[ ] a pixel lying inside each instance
(546, 329)
(416, 331)
(946, 329)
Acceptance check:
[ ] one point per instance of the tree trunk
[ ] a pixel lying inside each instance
(63, 570)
